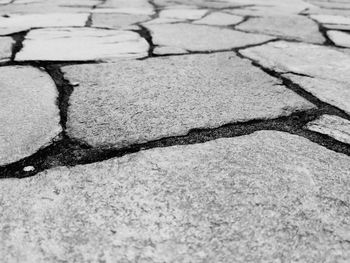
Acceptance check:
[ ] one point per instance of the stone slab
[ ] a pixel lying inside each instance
(117, 105)
(341, 39)
(16, 23)
(118, 21)
(331, 125)
(201, 37)
(265, 197)
(288, 27)
(72, 44)
(29, 115)
(328, 68)
(6, 44)
(183, 13)
(219, 19)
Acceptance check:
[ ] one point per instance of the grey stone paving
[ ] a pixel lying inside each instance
(288, 27)
(333, 126)
(174, 131)
(28, 96)
(201, 37)
(266, 197)
(5, 48)
(138, 101)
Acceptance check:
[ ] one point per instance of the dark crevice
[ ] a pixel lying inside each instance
(88, 22)
(68, 152)
(146, 34)
(18, 45)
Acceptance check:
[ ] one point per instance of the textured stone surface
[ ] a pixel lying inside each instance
(169, 50)
(341, 39)
(116, 20)
(183, 13)
(219, 19)
(138, 101)
(81, 44)
(29, 116)
(291, 27)
(17, 23)
(136, 7)
(334, 126)
(202, 38)
(328, 68)
(266, 197)
(332, 19)
(5, 48)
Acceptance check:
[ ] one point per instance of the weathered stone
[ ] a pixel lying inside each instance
(133, 102)
(328, 68)
(219, 19)
(334, 126)
(135, 7)
(332, 19)
(341, 39)
(6, 48)
(162, 21)
(202, 38)
(336, 93)
(44, 7)
(290, 27)
(81, 44)
(265, 197)
(29, 116)
(169, 50)
(185, 14)
(17, 23)
(116, 20)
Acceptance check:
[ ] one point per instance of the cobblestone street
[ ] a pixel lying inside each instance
(175, 131)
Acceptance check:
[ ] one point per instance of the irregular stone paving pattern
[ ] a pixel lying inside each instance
(116, 20)
(17, 23)
(328, 68)
(219, 19)
(331, 125)
(201, 37)
(81, 44)
(265, 197)
(29, 96)
(5, 48)
(138, 101)
(289, 27)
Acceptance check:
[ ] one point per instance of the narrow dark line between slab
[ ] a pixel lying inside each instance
(18, 45)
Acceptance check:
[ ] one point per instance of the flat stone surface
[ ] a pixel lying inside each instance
(116, 20)
(290, 27)
(81, 44)
(136, 7)
(5, 48)
(331, 125)
(117, 105)
(169, 50)
(265, 197)
(183, 13)
(29, 116)
(202, 38)
(328, 68)
(219, 19)
(17, 23)
(332, 19)
(341, 39)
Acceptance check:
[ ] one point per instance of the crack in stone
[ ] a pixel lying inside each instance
(18, 45)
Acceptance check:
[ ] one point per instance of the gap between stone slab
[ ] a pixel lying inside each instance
(17, 46)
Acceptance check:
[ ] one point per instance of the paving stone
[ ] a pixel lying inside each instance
(162, 21)
(183, 13)
(29, 116)
(341, 39)
(332, 19)
(116, 20)
(132, 102)
(336, 93)
(169, 50)
(46, 7)
(201, 37)
(328, 68)
(331, 125)
(135, 7)
(220, 19)
(6, 48)
(17, 23)
(81, 44)
(265, 197)
(290, 27)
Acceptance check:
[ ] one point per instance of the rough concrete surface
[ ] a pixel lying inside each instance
(137, 101)
(29, 116)
(266, 197)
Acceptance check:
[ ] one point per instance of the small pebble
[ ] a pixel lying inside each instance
(28, 168)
